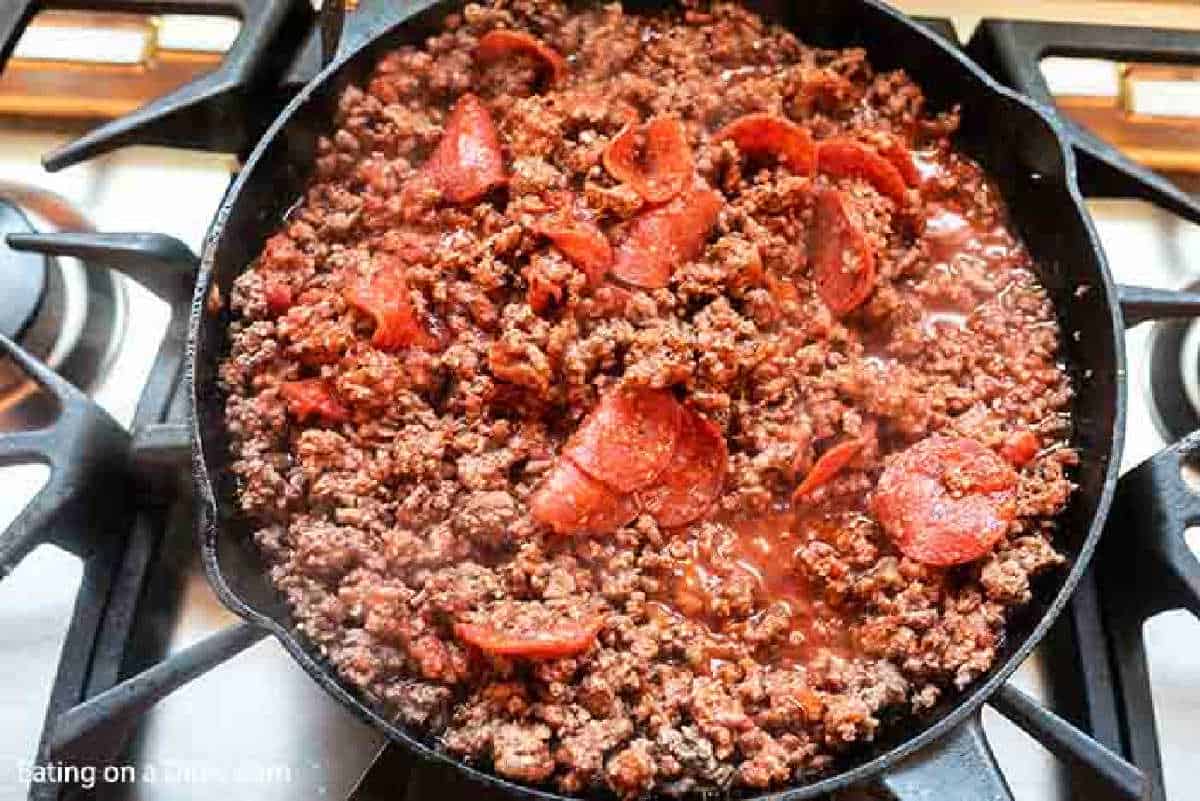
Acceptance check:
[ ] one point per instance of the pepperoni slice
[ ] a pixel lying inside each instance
(843, 265)
(582, 242)
(383, 296)
(766, 134)
(900, 158)
(311, 398)
(467, 162)
(502, 43)
(832, 462)
(570, 501)
(693, 479)
(664, 238)
(1020, 447)
(845, 158)
(656, 163)
(946, 500)
(628, 439)
(564, 638)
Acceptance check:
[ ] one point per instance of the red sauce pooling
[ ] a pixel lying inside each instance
(764, 551)
(952, 241)
(951, 236)
(767, 551)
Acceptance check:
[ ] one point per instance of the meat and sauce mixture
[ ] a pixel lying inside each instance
(651, 403)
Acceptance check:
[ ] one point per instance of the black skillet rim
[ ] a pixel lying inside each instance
(968, 704)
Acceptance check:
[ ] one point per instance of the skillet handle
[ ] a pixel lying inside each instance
(959, 765)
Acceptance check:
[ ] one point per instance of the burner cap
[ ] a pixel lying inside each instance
(22, 276)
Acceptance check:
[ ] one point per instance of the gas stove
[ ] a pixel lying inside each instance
(126, 677)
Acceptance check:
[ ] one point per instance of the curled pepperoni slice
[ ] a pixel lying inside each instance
(582, 242)
(502, 43)
(563, 638)
(570, 501)
(946, 500)
(842, 263)
(656, 163)
(311, 398)
(383, 296)
(895, 152)
(693, 479)
(628, 439)
(766, 134)
(845, 158)
(832, 462)
(467, 162)
(664, 238)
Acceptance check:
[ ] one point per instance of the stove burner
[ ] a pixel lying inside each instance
(66, 315)
(1174, 375)
(22, 276)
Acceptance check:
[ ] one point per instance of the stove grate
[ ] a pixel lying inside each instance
(93, 506)
(212, 112)
(92, 710)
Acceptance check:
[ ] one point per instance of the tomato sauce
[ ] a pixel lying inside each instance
(954, 242)
(767, 551)
(950, 237)
(764, 550)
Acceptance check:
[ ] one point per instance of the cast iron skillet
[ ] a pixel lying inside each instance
(1016, 142)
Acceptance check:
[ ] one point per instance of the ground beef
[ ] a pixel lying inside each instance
(392, 485)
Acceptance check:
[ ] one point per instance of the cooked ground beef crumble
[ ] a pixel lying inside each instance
(842, 347)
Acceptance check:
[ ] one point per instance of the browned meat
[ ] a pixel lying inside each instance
(775, 246)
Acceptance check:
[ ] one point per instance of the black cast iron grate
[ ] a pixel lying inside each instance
(94, 708)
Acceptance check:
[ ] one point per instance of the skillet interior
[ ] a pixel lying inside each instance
(1016, 144)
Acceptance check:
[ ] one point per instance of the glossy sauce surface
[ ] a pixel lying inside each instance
(763, 551)
(951, 237)
(955, 242)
